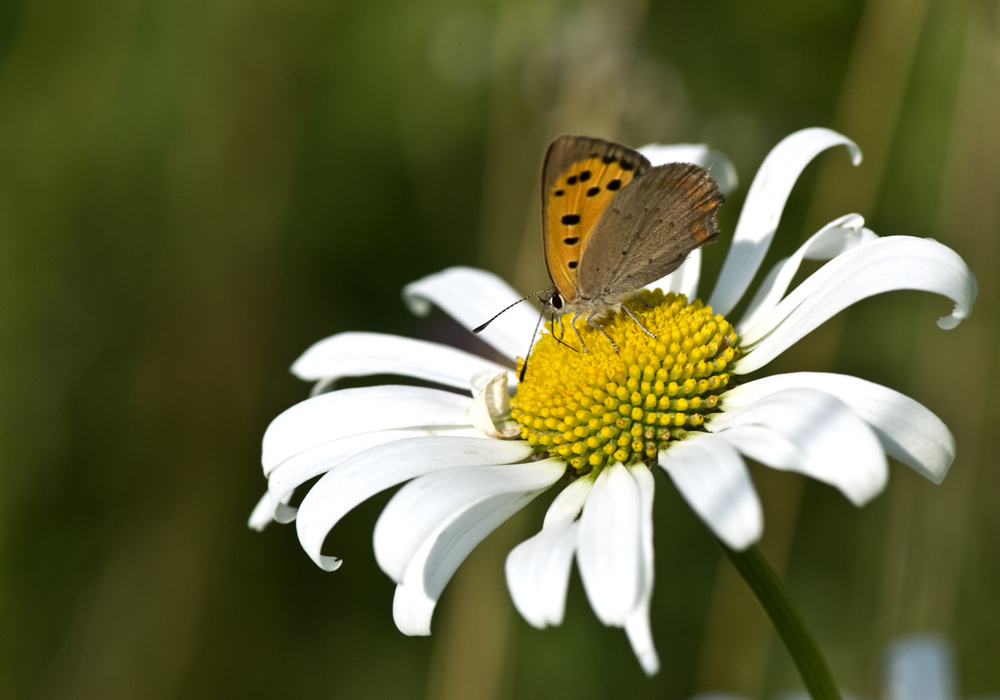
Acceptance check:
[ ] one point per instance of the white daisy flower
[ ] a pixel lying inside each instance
(598, 423)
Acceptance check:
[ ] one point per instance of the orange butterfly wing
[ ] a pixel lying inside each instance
(580, 177)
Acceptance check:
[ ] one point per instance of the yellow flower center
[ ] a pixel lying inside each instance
(598, 407)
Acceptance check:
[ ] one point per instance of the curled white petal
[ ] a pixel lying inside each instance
(832, 444)
(262, 515)
(339, 414)
(441, 553)
(382, 467)
(491, 408)
(882, 265)
(720, 167)
(637, 628)
(412, 607)
(907, 430)
(357, 354)
(419, 508)
(480, 380)
(609, 553)
(764, 204)
(538, 569)
(711, 476)
(830, 241)
(472, 297)
(297, 470)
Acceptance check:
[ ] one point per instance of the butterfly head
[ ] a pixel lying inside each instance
(554, 302)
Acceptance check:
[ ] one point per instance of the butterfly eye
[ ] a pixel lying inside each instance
(556, 301)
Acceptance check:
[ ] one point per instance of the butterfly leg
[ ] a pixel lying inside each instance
(645, 303)
(593, 324)
(562, 334)
(572, 324)
(637, 322)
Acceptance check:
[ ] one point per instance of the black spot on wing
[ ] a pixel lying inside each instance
(571, 219)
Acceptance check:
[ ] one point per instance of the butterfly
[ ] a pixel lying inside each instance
(613, 223)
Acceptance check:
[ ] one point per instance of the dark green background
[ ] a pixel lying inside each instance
(191, 193)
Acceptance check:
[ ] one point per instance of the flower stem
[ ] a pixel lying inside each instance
(786, 619)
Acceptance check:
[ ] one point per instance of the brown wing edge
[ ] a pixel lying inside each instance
(693, 209)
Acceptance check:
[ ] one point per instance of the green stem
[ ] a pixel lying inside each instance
(786, 619)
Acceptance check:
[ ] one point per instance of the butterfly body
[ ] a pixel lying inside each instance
(613, 223)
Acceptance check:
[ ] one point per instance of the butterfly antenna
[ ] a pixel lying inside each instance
(524, 367)
(478, 329)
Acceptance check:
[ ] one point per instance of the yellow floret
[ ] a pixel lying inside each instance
(593, 407)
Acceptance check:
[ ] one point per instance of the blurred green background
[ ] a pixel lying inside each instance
(191, 193)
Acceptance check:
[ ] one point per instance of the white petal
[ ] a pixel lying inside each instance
(716, 163)
(609, 553)
(920, 668)
(538, 574)
(637, 628)
(640, 636)
(764, 203)
(711, 476)
(446, 546)
(538, 569)
(348, 412)
(683, 280)
(297, 470)
(382, 467)
(763, 445)
(262, 515)
(907, 430)
(644, 480)
(882, 265)
(357, 354)
(412, 608)
(829, 242)
(443, 551)
(420, 507)
(473, 297)
(835, 445)
(566, 507)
